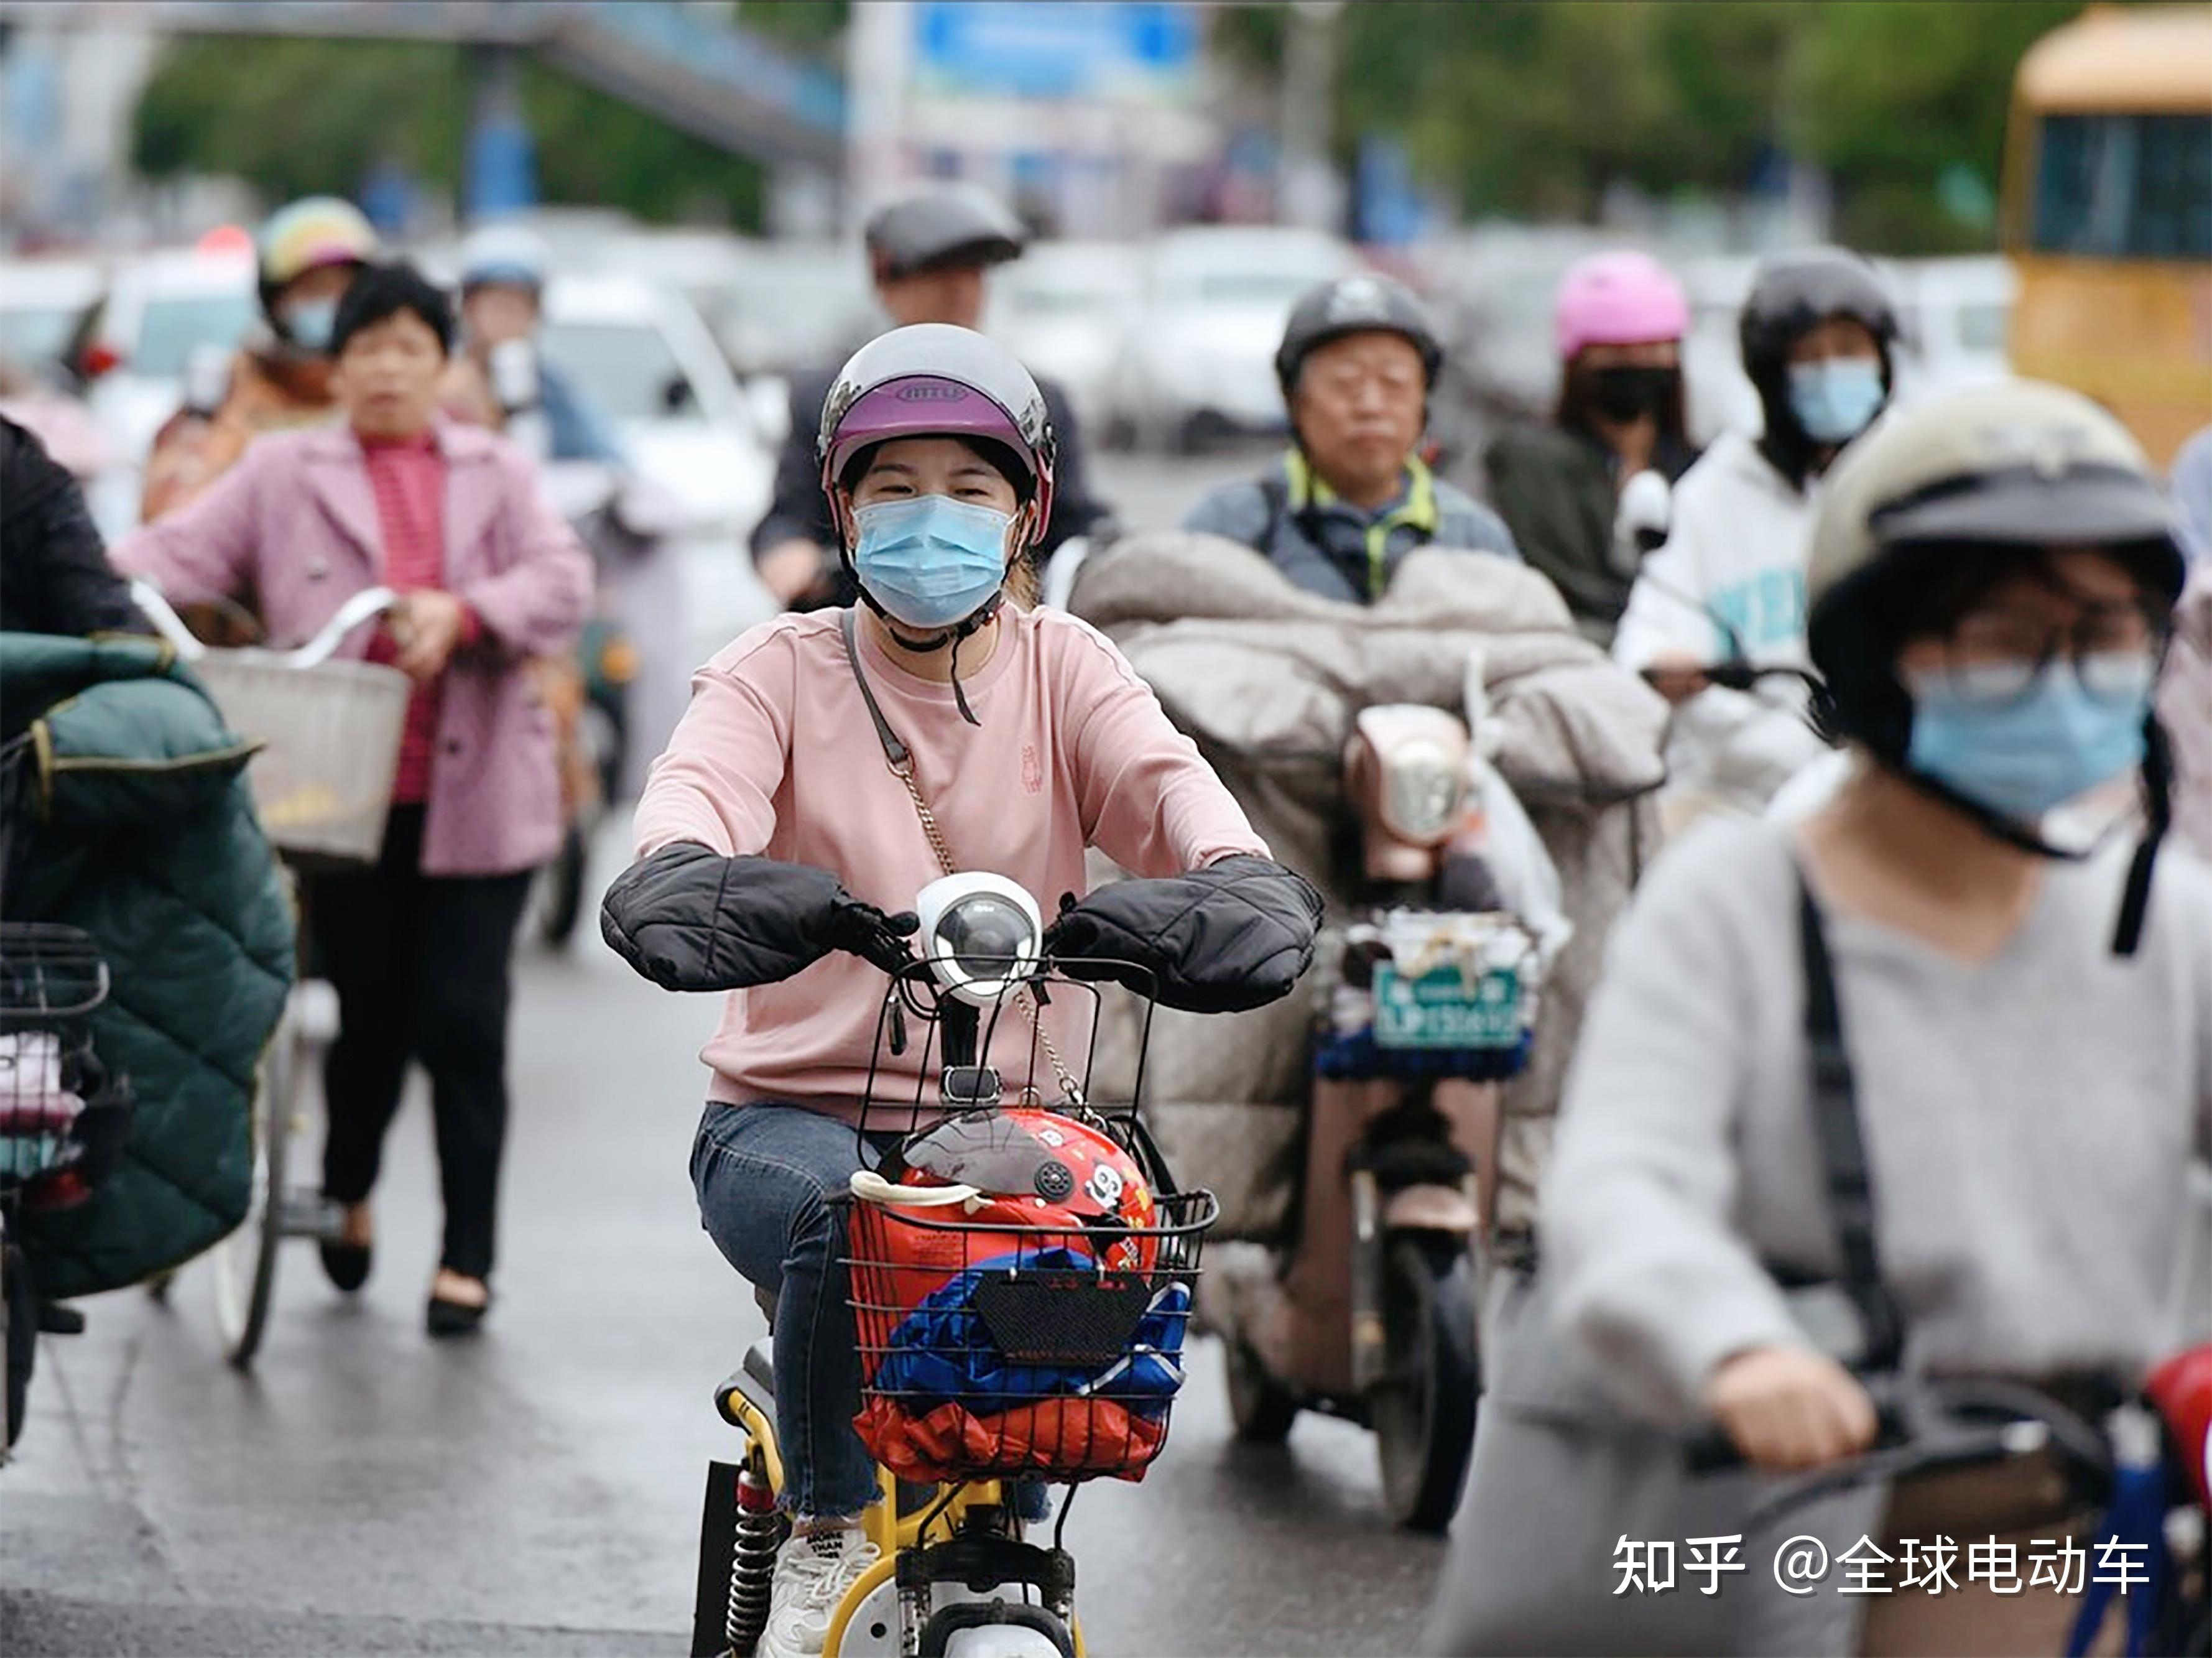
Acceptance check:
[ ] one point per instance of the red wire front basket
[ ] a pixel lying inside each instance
(990, 1348)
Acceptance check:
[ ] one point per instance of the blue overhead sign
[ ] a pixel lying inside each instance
(1035, 49)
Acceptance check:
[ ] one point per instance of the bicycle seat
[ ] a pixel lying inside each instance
(760, 1362)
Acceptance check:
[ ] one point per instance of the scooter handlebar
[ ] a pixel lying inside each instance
(1927, 1426)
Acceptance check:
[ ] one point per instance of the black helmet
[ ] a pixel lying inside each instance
(945, 225)
(1362, 304)
(1792, 295)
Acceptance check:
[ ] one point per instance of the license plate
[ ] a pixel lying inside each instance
(1446, 1008)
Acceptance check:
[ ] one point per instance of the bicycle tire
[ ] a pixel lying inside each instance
(19, 1337)
(244, 1263)
(1423, 1414)
(1261, 1409)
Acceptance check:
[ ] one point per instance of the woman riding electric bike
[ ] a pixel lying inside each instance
(1726, 590)
(774, 839)
(1910, 1089)
(1619, 320)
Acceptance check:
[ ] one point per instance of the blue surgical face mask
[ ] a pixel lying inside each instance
(1834, 400)
(311, 323)
(2022, 757)
(930, 560)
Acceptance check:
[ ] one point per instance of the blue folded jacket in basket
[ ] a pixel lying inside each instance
(943, 1351)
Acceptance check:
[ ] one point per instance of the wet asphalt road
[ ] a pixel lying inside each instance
(538, 1491)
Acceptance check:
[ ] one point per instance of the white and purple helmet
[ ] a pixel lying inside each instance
(933, 380)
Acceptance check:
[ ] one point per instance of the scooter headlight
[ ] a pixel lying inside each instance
(981, 934)
(1424, 787)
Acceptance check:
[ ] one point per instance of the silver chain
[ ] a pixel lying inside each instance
(1070, 1089)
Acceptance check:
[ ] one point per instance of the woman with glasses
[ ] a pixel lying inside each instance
(2023, 988)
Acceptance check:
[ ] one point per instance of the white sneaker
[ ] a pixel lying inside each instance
(813, 1571)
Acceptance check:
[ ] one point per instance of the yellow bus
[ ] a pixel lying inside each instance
(2108, 215)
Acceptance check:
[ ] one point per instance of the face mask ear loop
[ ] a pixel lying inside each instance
(2158, 803)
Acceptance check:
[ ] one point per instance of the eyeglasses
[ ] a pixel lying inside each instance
(1998, 656)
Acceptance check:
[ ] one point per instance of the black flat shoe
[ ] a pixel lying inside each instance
(455, 1318)
(345, 1265)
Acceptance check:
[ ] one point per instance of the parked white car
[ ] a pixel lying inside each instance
(797, 306)
(1495, 290)
(1718, 393)
(162, 311)
(1065, 308)
(1198, 359)
(41, 302)
(640, 353)
(1955, 314)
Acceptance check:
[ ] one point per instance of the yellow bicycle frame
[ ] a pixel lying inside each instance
(892, 1533)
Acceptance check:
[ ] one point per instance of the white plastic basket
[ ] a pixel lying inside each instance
(323, 784)
(331, 731)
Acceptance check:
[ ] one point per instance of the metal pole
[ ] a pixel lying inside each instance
(1306, 190)
(878, 48)
(501, 170)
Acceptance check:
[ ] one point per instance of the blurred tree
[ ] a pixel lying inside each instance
(1721, 67)
(813, 26)
(293, 116)
(1893, 97)
(598, 150)
(1535, 106)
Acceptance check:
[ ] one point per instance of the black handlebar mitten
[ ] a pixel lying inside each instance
(690, 919)
(1235, 935)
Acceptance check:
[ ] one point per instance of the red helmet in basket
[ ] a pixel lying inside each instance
(1038, 1170)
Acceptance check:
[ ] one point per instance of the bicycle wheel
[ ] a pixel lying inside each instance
(244, 1263)
(1261, 1409)
(1424, 1409)
(19, 1337)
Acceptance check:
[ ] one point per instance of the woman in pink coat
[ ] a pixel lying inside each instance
(419, 946)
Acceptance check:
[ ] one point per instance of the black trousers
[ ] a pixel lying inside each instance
(422, 966)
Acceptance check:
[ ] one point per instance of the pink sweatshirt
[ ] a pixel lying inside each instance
(776, 756)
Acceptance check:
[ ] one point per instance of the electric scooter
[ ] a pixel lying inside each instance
(1369, 1312)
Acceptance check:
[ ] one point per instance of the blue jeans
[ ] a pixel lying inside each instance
(766, 1175)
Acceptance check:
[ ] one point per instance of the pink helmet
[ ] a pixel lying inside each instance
(1623, 298)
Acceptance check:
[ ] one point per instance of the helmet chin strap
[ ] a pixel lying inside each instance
(954, 636)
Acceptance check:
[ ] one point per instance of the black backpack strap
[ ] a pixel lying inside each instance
(1842, 1146)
